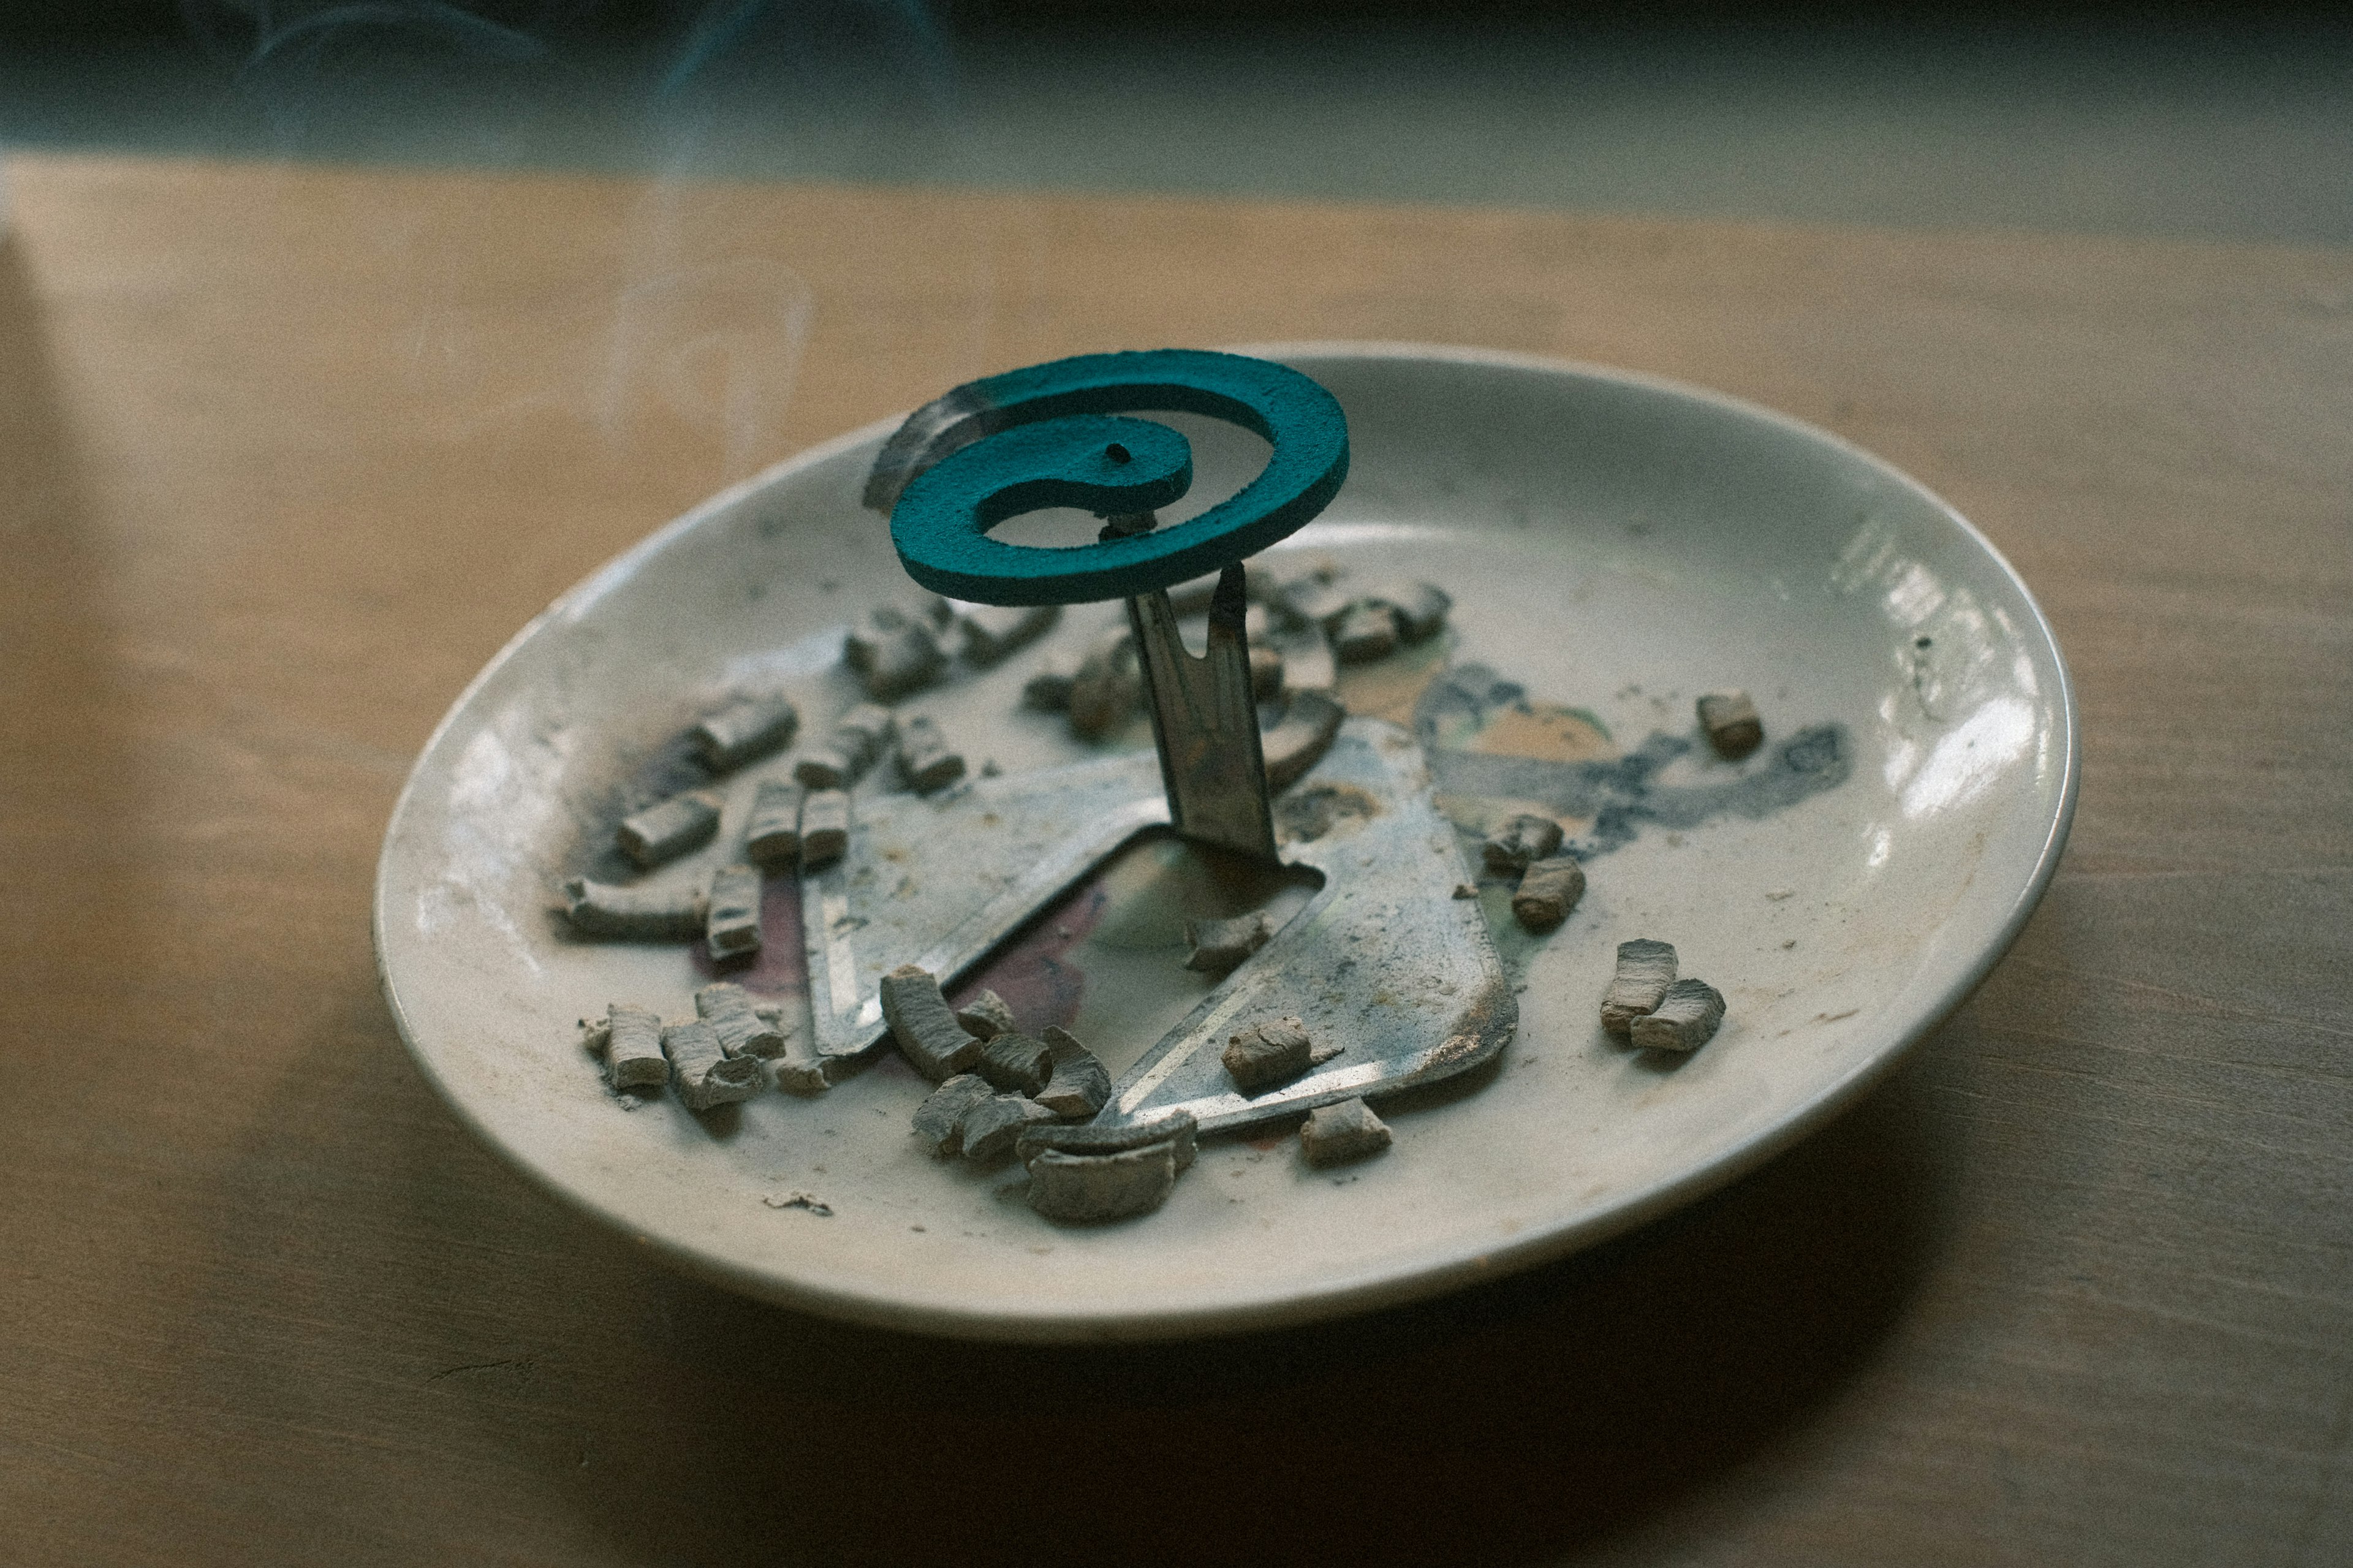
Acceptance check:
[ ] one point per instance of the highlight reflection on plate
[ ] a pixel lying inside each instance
(1614, 545)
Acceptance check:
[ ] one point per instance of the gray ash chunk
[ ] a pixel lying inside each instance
(1365, 632)
(1049, 690)
(1731, 722)
(925, 762)
(1089, 1189)
(825, 826)
(1272, 1052)
(1645, 970)
(1107, 688)
(987, 1015)
(1336, 1134)
(801, 1072)
(633, 1048)
(635, 914)
(746, 728)
(827, 767)
(1080, 1086)
(894, 656)
(727, 1007)
(1219, 946)
(734, 929)
(1265, 672)
(1420, 609)
(992, 631)
(1273, 580)
(704, 1074)
(1523, 839)
(867, 731)
(929, 1037)
(993, 1126)
(939, 1120)
(1548, 889)
(1311, 599)
(859, 741)
(1299, 740)
(773, 838)
(1179, 1129)
(1684, 1020)
(670, 828)
(1017, 1064)
(1308, 663)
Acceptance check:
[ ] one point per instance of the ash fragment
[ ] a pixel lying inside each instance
(1684, 1020)
(825, 826)
(987, 1015)
(927, 1032)
(743, 1032)
(1107, 689)
(1219, 946)
(895, 655)
(774, 836)
(799, 1071)
(733, 928)
(1270, 1053)
(939, 1120)
(1365, 632)
(1336, 1134)
(1312, 600)
(705, 1076)
(992, 1128)
(1298, 743)
(1049, 690)
(633, 1049)
(664, 831)
(1645, 970)
(1265, 672)
(860, 739)
(744, 729)
(1549, 891)
(1080, 1086)
(1421, 609)
(1017, 1063)
(925, 762)
(1089, 1189)
(639, 914)
(1731, 722)
(991, 632)
(1525, 839)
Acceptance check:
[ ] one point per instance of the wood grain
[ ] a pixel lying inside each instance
(289, 453)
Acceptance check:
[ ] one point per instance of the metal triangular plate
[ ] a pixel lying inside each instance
(1383, 960)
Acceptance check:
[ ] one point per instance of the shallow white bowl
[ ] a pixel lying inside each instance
(1616, 543)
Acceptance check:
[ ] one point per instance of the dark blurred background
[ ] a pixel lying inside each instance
(2224, 122)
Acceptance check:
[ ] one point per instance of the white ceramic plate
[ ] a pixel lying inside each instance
(1615, 544)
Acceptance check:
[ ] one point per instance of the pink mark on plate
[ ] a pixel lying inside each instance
(1033, 972)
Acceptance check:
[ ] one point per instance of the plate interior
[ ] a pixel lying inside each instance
(1614, 546)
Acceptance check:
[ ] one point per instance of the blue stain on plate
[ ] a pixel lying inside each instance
(1620, 795)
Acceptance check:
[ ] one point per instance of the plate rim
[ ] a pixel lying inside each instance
(1393, 1284)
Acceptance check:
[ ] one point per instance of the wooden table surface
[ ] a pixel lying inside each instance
(286, 454)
